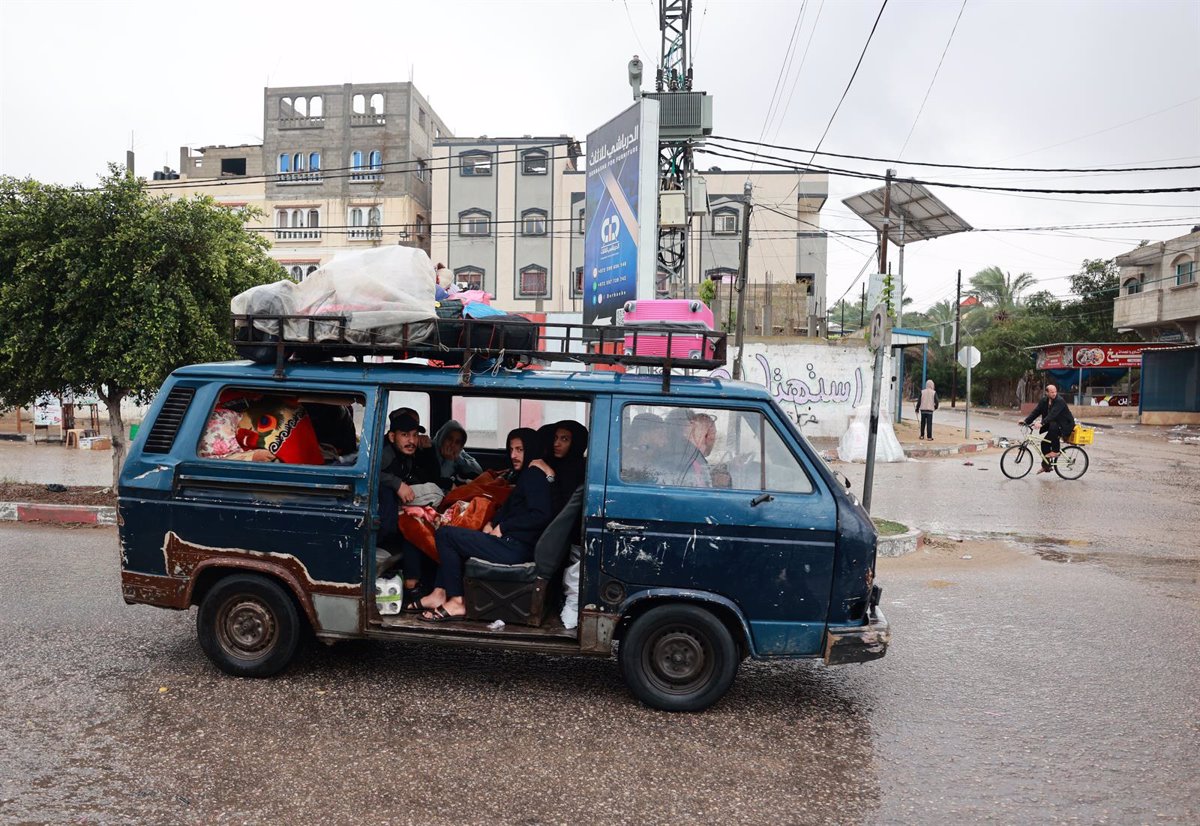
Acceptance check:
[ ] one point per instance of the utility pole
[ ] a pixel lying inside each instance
(743, 272)
(954, 356)
(887, 210)
(862, 309)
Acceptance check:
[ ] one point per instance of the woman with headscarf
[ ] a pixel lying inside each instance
(455, 464)
(925, 407)
(509, 539)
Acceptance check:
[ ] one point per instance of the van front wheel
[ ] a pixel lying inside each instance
(248, 626)
(678, 658)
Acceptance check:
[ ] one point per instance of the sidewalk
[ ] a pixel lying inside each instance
(46, 464)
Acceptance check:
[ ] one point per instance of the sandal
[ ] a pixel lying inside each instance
(440, 614)
(413, 606)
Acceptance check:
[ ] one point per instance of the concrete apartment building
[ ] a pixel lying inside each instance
(1160, 297)
(508, 217)
(341, 167)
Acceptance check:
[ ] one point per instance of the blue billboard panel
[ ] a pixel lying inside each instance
(621, 210)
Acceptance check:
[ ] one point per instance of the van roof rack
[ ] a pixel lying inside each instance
(317, 338)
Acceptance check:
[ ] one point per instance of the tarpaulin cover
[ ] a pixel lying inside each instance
(379, 291)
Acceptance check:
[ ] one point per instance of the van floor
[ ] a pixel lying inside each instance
(551, 629)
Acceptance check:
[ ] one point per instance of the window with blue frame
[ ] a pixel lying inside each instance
(314, 161)
(285, 163)
(376, 159)
(356, 159)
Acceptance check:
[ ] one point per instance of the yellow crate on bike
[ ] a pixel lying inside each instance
(1082, 435)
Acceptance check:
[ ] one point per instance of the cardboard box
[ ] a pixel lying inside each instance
(95, 443)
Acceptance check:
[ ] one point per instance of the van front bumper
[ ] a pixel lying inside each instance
(858, 643)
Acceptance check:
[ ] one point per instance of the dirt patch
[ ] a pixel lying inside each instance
(27, 492)
(946, 555)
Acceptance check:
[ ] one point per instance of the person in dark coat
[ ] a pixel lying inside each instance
(408, 475)
(509, 540)
(565, 443)
(1057, 422)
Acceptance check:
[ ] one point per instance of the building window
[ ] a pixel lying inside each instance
(725, 221)
(475, 164)
(311, 269)
(475, 222)
(356, 217)
(582, 222)
(377, 103)
(356, 160)
(285, 163)
(1134, 285)
(366, 166)
(420, 226)
(359, 104)
(577, 283)
(297, 224)
(533, 162)
(422, 171)
(297, 273)
(374, 217)
(314, 161)
(1185, 272)
(533, 222)
(469, 278)
(314, 218)
(365, 223)
(421, 117)
(533, 283)
(316, 107)
(376, 159)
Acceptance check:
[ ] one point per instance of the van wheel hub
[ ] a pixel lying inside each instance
(678, 658)
(247, 627)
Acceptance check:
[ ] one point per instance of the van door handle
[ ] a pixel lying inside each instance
(762, 497)
(622, 527)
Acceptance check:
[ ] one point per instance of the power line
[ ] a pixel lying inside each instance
(783, 71)
(799, 69)
(853, 75)
(932, 80)
(786, 163)
(801, 151)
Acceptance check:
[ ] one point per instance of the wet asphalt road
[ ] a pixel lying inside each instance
(1018, 689)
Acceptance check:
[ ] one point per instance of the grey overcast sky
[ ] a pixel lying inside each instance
(1038, 83)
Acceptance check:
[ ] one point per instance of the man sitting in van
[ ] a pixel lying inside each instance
(407, 476)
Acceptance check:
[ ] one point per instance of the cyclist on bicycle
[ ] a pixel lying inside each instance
(1057, 422)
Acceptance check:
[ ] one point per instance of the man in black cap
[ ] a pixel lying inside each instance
(405, 466)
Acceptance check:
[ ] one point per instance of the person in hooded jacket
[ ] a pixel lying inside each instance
(565, 462)
(454, 463)
(926, 404)
(509, 539)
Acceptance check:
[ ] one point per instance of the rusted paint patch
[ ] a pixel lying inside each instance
(163, 591)
(183, 559)
(596, 631)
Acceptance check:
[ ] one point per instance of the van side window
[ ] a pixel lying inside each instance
(256, 426)
(699, 447)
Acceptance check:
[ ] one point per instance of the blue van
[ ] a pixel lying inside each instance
(757, 550)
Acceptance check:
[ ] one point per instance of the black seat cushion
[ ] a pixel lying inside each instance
(555, 542)
(495, 572)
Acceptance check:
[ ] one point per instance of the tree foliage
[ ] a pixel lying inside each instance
(110, 289)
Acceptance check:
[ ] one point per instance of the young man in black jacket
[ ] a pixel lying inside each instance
(1057, 422)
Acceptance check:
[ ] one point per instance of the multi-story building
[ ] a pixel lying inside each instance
(509, 217)
(340, 167)
(1160, 298)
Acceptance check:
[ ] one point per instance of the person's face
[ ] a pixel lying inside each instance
(704, 435)
(405, 441)
(452, 444)
(516, 453)
(562, 442)
(1051, 391)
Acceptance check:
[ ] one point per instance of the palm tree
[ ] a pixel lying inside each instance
(1000, 292)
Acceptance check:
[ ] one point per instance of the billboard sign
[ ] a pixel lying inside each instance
(1072, 356)
(620, 244)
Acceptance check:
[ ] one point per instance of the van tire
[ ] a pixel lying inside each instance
(678, 658)
(248, 626)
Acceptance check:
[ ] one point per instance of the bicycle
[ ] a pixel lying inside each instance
(1018, 460)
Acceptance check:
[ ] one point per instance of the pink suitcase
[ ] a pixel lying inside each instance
(691, 318)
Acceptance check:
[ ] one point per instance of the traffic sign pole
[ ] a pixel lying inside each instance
(879, 340)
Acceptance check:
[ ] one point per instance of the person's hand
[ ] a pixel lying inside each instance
(496, 532)
(541, 465)
(405, 493)
(424, 442)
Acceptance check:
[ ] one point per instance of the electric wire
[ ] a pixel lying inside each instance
(932, 81)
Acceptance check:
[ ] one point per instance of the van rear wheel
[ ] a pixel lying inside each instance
(248, 626)
(678, 658)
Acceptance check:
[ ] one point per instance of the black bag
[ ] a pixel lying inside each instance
(449, 308)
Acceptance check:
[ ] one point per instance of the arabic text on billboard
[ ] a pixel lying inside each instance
(610, 246)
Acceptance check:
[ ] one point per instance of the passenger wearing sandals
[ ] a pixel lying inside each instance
(408, 476)
(509, 540)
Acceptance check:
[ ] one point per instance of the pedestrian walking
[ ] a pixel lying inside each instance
(926, 404)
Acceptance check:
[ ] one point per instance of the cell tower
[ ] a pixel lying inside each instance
(685, 118)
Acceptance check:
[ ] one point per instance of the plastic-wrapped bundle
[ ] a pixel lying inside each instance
(385, 295)
(853, 445)
(389, 595)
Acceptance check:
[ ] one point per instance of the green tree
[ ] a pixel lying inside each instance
(1097, 285)
(1000, 292)
(110, 289)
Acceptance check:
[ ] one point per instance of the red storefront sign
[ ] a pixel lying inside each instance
(1071, 356)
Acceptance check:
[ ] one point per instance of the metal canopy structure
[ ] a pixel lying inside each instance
(914, 213)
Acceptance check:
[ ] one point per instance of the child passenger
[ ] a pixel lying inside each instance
(509, 540)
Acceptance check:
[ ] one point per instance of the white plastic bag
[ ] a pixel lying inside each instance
(853, 445)
(570, 611)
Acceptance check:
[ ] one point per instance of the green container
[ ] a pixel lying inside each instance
(133, 429)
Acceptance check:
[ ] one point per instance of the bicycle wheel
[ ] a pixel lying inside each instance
(1072, 462)
(1016, 462)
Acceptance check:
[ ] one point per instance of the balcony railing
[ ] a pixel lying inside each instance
(1138, 309)
(370, 119)
(299, 177)
(366, 233)
(302, 123)
(298, 234)
(366, 176)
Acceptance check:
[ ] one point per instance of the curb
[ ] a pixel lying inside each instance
(900, 544)
(930, 452)
(58, 514)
